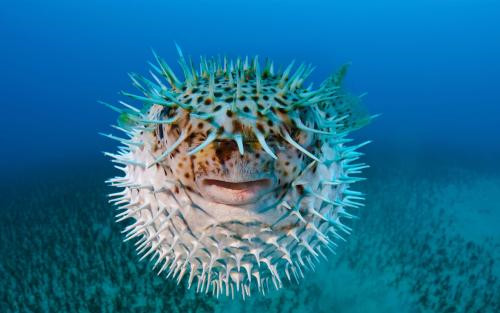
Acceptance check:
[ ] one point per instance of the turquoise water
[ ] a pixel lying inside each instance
(428, 238)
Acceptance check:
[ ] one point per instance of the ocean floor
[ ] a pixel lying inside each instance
(428, 240)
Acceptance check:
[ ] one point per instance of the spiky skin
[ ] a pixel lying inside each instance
(233, 122)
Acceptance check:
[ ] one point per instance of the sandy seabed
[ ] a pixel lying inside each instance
(427, 240)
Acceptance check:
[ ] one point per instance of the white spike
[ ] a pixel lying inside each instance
(171, 148)
(211, 137)
(263, 143)
(290, 140)
(284, 77)
(239, 141)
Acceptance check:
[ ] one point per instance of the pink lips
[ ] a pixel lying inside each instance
(235, 193)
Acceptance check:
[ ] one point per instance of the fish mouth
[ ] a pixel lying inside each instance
(235, 192)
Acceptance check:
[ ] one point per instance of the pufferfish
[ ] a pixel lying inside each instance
(236, 178)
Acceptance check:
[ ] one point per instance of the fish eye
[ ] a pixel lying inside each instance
(160, 131)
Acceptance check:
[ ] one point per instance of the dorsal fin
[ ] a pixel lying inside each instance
(346, 103)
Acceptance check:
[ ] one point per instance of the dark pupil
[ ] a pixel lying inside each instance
(163, 113)
(160, 131)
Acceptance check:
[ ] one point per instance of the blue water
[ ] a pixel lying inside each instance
(431, 68)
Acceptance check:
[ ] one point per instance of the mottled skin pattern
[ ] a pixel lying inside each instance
(237, 177)
(221, 158)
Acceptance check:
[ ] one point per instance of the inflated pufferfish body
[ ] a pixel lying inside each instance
(236, 178)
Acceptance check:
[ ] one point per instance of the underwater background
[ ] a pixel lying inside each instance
(428, 238)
